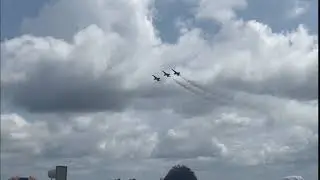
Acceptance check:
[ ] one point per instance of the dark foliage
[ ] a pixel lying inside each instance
(180, 172)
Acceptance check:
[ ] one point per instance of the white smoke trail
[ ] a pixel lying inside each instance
(186, 87)
(223, 96)
(197, 92)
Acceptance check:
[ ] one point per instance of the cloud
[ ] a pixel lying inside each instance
(226, 136)
(80, 90)
(50, 75)
(299, 8)
(108, 15)
(219, 10)
(117, 136)
(293, 177)
(185, 147)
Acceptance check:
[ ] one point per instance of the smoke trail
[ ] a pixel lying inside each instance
(194, 84)
(226, 95)
(186, 87)
(223, 96)
(200, 87)
(194, 91)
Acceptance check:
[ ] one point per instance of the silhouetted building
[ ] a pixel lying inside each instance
(59, 173)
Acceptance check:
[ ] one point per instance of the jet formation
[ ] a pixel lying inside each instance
(189, 85)
(219, 95)
(166, 74)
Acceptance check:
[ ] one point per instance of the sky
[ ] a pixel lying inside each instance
(77, 88)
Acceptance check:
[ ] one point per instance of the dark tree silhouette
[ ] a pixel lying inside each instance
(180, 172)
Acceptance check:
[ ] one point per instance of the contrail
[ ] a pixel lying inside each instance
(199, 87)
(186, 87)
(223, 96)
(194, 91)
(194, 84)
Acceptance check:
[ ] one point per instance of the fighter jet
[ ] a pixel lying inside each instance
(166, 74)
(175, 72)
(156, 78)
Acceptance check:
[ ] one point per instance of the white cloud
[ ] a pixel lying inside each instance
(128, 18)
(117, 136)
(299, 7)
(220, 10)
(293, 178)
(262, 85)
